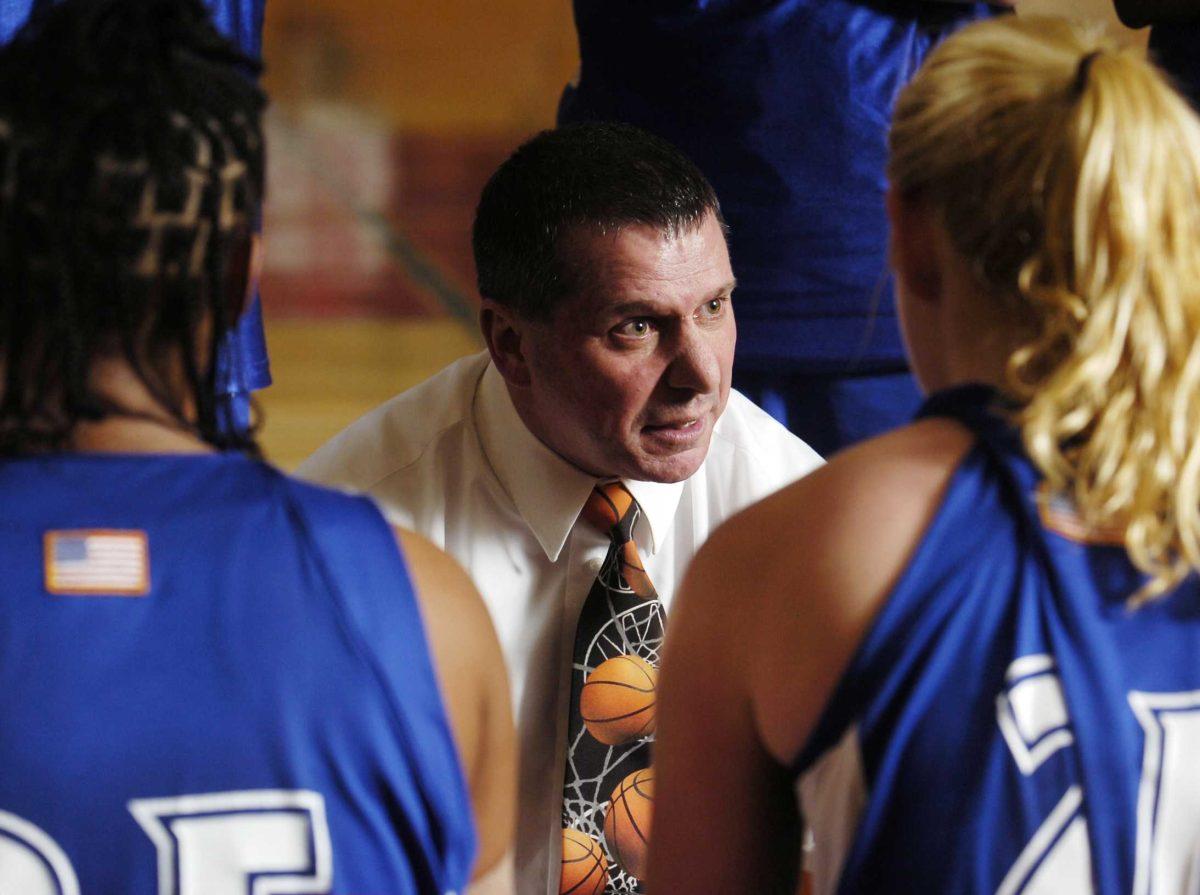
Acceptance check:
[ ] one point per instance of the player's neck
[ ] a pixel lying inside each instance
(134, 435)
(145, 427)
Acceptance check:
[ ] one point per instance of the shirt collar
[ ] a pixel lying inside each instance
(549, 492)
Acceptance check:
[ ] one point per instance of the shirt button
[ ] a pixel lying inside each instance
(592, 566)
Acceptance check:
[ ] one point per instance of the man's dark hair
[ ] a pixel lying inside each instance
(603, 176)
(131, 168)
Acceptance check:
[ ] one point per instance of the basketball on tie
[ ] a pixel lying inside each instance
(584, 867)
(627, 821)
(617, 700)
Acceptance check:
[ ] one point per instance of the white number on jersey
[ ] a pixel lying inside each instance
(1169, 793)
(265, 842)
(1034, 720)
(31, 863)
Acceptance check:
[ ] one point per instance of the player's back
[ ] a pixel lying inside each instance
(1008, 723)
(211, 675)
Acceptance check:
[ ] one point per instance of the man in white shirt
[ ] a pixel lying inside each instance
(605, 283)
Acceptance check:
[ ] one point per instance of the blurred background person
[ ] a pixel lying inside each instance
(967, 651)
(1174, 38)
(784, 105)
(208, 672)
(386, 122)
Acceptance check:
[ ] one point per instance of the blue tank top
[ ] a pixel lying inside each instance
(211, 674)
(785, 106)
(1008, 724)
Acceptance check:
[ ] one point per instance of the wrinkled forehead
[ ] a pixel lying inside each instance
(615, 265)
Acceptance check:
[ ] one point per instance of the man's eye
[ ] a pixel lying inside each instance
(712, 307)
(636, 328)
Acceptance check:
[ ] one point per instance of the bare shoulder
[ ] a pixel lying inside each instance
(876, 492)
(824, 553)
(449, 601)
(474, 682)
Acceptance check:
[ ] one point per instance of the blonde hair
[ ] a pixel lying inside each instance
(1067, 172)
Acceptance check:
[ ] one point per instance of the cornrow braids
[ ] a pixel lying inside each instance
(131, 170)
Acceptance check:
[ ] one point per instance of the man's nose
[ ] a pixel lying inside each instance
(695, 366)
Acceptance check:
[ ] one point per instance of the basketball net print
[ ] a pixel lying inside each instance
(608, 792)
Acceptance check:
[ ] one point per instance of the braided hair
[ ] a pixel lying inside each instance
(131, 169)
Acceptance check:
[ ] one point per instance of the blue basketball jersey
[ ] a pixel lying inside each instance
(214, 680)
(785, 106)
(1009, 724)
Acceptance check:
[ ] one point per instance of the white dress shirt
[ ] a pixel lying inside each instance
(451, 459)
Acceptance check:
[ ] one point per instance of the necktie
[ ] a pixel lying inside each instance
(608, 791)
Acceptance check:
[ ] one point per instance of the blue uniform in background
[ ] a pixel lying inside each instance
(1008, 724)
(785, 106)
(242, 364)
(210, 673)
(1176, 47)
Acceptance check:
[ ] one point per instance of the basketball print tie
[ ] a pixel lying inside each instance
(608, 792)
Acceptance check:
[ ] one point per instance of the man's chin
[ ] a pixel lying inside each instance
(671, 467)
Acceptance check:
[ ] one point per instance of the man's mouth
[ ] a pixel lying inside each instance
(677, 431)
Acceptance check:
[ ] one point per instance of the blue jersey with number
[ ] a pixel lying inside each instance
(211, 674)
(785, 106)
(1009, 724)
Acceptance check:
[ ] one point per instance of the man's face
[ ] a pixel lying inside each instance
(632, 371)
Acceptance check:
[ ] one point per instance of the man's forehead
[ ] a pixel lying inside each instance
(637, 261)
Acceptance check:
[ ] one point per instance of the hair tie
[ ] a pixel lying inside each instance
(1081, 74)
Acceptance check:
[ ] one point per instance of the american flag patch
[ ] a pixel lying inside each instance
(97, 561)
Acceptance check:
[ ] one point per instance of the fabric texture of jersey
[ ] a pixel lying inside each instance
(274, 675)
(1009, 724)
(785, 106)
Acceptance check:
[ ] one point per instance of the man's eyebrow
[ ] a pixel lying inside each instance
(649, 308)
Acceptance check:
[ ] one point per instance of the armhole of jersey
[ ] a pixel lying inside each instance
(352, 542)
(901, 611)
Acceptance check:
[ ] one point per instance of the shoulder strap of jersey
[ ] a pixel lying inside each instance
(988, 484)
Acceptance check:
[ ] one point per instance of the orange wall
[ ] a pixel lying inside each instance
(446, 65)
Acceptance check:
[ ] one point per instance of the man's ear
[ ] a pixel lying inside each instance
(912, 247)
(507, 340)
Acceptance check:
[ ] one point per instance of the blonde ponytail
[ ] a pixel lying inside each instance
(1067, 172)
